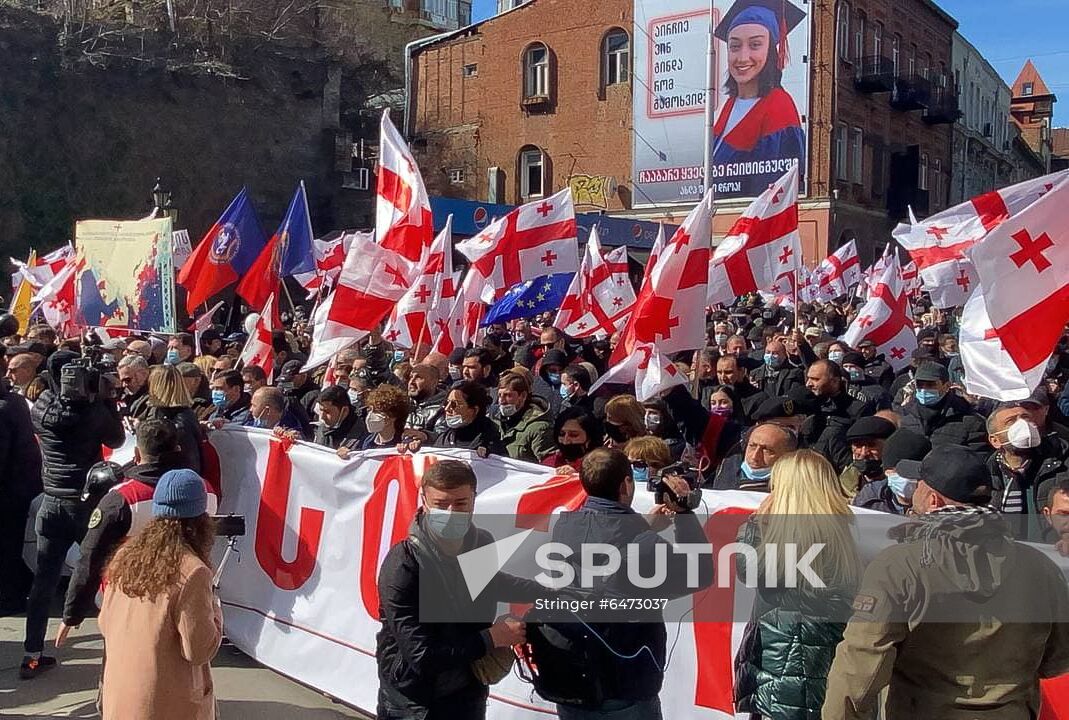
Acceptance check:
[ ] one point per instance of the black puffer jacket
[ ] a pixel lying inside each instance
(72, 435)
(950, 422)
(190, 433)
(825, 430)
(782, 666)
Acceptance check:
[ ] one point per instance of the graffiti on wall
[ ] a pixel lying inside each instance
(592, 190)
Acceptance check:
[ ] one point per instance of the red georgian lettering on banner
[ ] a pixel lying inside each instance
(271, 524)
(396, 472)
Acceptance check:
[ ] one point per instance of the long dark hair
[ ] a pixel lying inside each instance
(771, 76)
(595, 431)
(150, 563)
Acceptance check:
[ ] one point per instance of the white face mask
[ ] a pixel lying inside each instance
(508, 410)
(1023, 435)
(376, 422)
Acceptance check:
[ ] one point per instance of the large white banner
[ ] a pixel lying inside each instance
(760, 97)
(303, 598)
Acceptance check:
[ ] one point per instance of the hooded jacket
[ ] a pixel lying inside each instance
(528, 435)
(71, 433)
(958, 620)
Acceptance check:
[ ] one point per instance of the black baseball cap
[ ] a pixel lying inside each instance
(953, 471)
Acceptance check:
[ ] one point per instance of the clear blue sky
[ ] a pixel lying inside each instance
(1007, 33)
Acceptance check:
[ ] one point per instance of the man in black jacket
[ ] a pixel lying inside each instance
(876, 368)
(123, 511)
(231, 401)
(340, 425)
(834, 411)
(425, 668)
(942, 416)
(20, 483)
(627, 681)
(734, 371)
(427, 417)
(71, 428)
(777, 377)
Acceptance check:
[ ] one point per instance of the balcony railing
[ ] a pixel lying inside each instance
(911, 92)
(875, 74)
(943, 107)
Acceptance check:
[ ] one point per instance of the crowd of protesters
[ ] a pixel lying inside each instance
(771, 406)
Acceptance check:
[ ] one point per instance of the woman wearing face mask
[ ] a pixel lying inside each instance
(169, 399)
(625, 418)
(387, 410)
(660, 423)
(648, 455)
(577, 432)
(467, 424)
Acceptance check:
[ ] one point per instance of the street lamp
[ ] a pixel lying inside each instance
(161, 200)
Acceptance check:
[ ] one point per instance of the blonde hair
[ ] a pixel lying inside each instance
(806, 506)
(166, 388)
(650, 449)
(206, 363)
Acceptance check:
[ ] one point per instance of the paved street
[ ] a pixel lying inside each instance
(245, 689)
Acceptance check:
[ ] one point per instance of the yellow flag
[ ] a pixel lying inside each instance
(20, 304)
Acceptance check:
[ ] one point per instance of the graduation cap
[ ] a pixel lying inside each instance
(779, 17)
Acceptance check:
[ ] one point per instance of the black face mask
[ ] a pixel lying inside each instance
(869, 468)
(615, 433)
(572, 451)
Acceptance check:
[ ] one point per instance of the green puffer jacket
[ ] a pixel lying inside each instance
(529, 435)
(781, 668)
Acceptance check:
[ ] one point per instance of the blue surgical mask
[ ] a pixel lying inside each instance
(928, 397)
(720, 338)
(771, 360)
(398, 356)
(758, 474)
(856, 374)
(448, 524)
(553, 378)
(836, 356)
(565, 391)
(172, 357)
(640, 475)
(258, 423)
(900, 486)
(218, 398)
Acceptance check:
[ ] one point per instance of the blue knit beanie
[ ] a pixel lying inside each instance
(179, 494)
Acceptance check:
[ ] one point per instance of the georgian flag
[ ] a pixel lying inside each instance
(598, 299)
(425, 308)
(884, 318)
(838, 273)
(259, 350)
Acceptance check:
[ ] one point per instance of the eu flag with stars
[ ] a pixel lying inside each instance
(530, 298)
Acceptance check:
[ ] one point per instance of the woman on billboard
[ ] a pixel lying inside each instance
(759, 123)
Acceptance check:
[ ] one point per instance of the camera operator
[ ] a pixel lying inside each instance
(73, 418)
(122, 512)
(18, 449)
(626, 680)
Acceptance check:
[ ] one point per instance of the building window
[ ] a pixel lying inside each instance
(937, 181)
(856, 157)
(842, 38)
(877, 38)
(912, 60)
(470, 70)
(896, 51)
(841, 165)
(536, 71)
(859, 35)
(877, 170)
(926, 66)
(922, 176)
(1027, 89)
(616, 57)
(532, 173)
(456, 176)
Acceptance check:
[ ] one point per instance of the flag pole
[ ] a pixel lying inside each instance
(285, 289)
(710, 86)
(795, 292)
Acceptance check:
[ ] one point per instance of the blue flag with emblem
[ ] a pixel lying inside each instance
(530, 298)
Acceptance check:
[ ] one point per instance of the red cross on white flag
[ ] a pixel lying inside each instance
(651, 372)
(532, 241)
(670, 309)
(885, 318)
(458, 327)
(259, 350)
(329, 257)
(839, 272)
(989, 370)
(762, 245)
(403, 221)
(414, 321)
(1021, 266)
(57, 298)
(596, 302)
(939, 244)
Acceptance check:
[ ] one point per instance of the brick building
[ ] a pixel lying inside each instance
(540, 97)
(1032, 108)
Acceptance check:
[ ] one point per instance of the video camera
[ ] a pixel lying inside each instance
(92, 376)
(660, 489)
(229, 526)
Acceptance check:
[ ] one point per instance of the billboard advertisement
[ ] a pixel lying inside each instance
(125, 275)
(760, 97)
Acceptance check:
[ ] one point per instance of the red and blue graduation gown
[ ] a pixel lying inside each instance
(770, 131)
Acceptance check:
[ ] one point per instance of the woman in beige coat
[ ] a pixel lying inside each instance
(161, 622)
